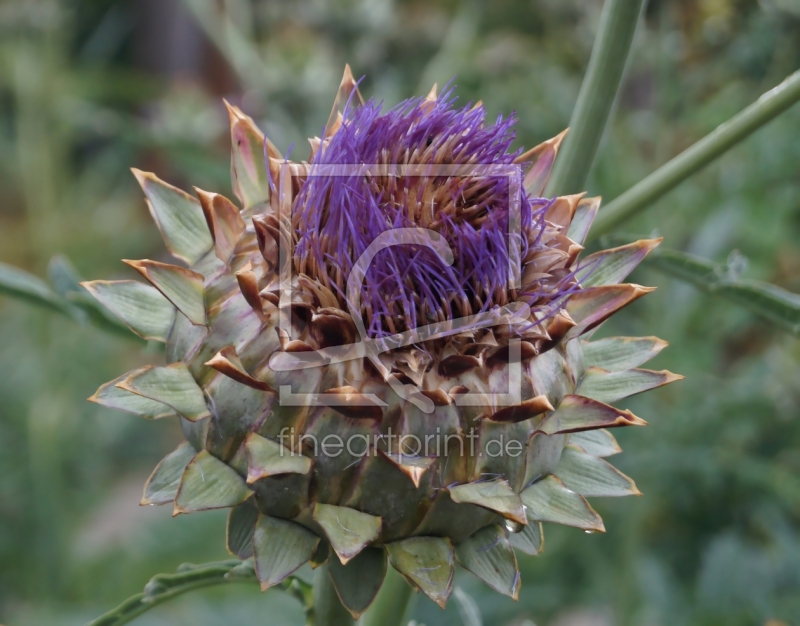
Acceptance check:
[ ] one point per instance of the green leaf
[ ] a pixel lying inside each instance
(605, 386)
(582, 221)
(113, 397)
(540, 159)
(224, 221)
(173, 385)
(21, 284)
(182, 287)
(143, 309)
(67, 283)
(529, 540)
(621, 353)
(589, 476)
(348, 530)
(496, 495)
(610, 267)
(250, 178)
(270, 458)
(427, 563)
(598, 442)
(178, 216)
(592, 306)
(280, 548)
(576, 413)
(774, 304)
(358, 582)
(488, 555)
(208, 483)
(239, 531)
(549, 500)
(543, 455)
(162, 486)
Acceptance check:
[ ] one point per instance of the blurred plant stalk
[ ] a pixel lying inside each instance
(40, 154)
(40, 150)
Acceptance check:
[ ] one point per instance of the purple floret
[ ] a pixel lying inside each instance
(407, 286)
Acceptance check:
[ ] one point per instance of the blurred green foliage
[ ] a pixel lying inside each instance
(91, 88)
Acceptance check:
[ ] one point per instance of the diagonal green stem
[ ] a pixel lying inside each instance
(694, 158)
(596, 98)
(165, 587)
(391, 604)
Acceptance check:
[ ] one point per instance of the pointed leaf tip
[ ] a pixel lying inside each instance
(178, 216)
(249, 177)
(143, 308)
(584, 216)
(208, 483)
(357, 583)
(162, 485)
(183, 287)
(269, 458)
(227, 362)
(609, 267)
(348, 530)
(280, 548)
(541, 158)
(488, 555)
(605, 386)
(577, 413)
(111, 396)
(523, 411)
(224, 222)
(590, 476)
(347, 87)
(592, 306)
(621, 353)
(496, 495)
(172, 385)
(598, 442)
(427, 563)
(412, 466)
(549, 500)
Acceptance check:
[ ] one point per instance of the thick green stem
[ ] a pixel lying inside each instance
(596, 98)
(693, 159)
(391, 604)
(328, 610)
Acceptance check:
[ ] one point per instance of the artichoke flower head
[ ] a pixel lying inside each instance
(380, 356)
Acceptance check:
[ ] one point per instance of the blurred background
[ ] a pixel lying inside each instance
(90, 88)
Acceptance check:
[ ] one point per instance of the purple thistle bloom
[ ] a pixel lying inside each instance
(336, 217)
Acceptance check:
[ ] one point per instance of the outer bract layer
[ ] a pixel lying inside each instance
(435, 408)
